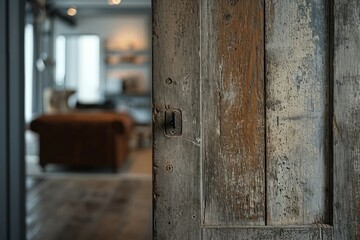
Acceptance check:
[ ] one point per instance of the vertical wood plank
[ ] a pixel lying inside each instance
(346, 122)
(232, 88)
(176, 74)
(16, 119)
(296, 108)
(3, 123)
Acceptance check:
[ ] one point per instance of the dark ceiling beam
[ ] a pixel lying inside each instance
(41, 7)
(102, 3)
(55, 12)
(88, 11)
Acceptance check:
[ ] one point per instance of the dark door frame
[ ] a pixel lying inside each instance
(12, 164)
(12, 123)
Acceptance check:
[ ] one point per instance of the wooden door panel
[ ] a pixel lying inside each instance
(346, 122)
(296, 112)
(314, 232)
(176, 67)
(232, 103)
(253, 82)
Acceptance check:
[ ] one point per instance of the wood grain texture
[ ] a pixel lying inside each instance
(176, 73)
(92, 208)
(232, 88)
(313, 232)
(346, 122)
(296, 108)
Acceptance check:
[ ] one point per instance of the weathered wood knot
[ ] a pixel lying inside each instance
(168, 81)
(233, 2)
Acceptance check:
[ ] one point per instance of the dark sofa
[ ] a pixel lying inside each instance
(83, 139)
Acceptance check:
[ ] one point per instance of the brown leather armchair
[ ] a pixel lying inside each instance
(83, 139)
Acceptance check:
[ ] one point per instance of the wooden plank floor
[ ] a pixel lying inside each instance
(113, 206)
(88, 208)
(138, 162)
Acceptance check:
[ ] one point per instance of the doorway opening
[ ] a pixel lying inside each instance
(88, 119)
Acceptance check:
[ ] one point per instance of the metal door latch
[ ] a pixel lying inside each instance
(173, 122)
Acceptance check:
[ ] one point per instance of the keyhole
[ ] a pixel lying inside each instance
(173, 123)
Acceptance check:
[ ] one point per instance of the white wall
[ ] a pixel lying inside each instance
(115, 32)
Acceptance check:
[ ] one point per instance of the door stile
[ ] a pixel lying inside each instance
(346, 127)
(176, 87)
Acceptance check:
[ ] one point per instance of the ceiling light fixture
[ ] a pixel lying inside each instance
(114, 2)
(72, 11)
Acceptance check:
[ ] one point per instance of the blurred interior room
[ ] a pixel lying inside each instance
(88, 119)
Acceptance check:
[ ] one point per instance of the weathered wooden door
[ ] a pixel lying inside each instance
(267, 144)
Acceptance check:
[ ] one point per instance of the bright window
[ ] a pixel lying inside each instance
(29, 60)
(78, 66)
